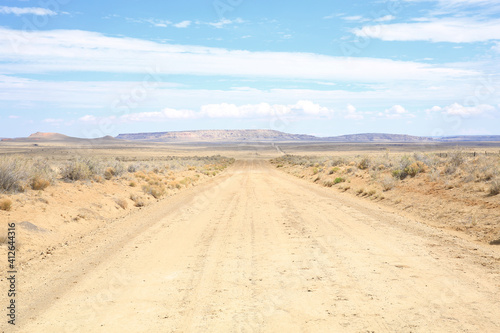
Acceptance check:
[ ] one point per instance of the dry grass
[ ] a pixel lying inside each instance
(109, 173)
(388, 183)
(139, 202)
(5, 204)
(38, 183)
(494, 187)
(157, 191)
(121, 202)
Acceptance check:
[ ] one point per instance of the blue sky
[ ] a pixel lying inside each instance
(89, 69)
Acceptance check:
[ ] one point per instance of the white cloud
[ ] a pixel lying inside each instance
(157, 23)
(385, 18)
(454, 30)
(457, 109)
(352, 113)
(26, 11)
(75, 50)
(13, 117)
(310, 108)
(165, 114)
(303, 109)
(222, 22)
(89, 119)
(183, 24)
(355, 18)
(396, 112)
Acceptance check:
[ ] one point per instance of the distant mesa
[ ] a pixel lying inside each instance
(249, 135)
(264, 135)
(58, 137)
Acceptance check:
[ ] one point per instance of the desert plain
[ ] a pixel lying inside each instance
(121, 236)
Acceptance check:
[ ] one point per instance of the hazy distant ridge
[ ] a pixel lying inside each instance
(263, 135)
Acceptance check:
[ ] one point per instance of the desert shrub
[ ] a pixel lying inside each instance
(156, 190)
(399, 174)
(39, 183)
(405, 162)
(371, 192)
(450, 169)
(174, 184)
(333, 170)
(328, 183)
(337, 161)
(388, 183)
(76, 170)
(186, 181)
(132, 184)
(457, 158)
(121, 202)
(109, 173)
(5, 204)
(434, 175)
(338, 180)
(140, 175)
(364, 163)
(81, 169)
(137, 200)
(315, 170)
(494, 187)
(415, 168)
(13, 174)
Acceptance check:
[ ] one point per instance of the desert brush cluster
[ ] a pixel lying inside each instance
(458, 189)
(19, 174)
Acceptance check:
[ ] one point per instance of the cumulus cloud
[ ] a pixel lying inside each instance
(310, 108)
(26, 11)
(302, 108)
(352, 113)
(396, 112)
(457, 109)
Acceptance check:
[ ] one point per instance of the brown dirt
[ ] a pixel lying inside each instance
(258, 250)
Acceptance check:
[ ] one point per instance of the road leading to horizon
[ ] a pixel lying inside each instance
(257, 250)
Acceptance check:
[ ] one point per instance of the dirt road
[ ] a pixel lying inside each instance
(256, 250)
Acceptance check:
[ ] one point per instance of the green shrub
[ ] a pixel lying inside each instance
(333, 170)
(338, 180)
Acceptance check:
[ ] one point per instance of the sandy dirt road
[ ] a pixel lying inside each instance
(256, 250)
